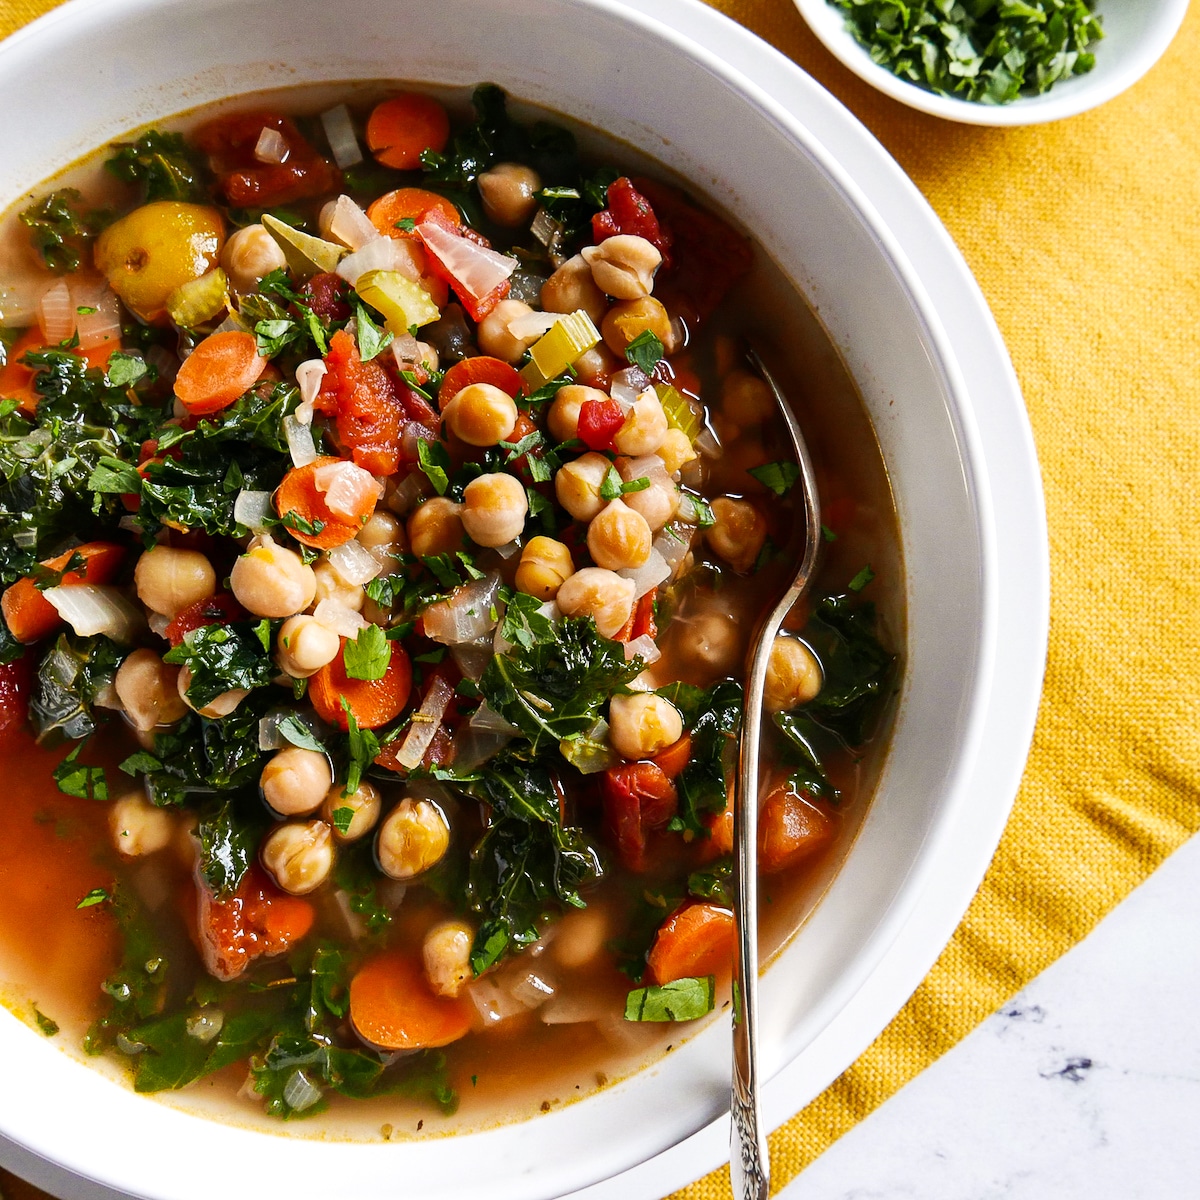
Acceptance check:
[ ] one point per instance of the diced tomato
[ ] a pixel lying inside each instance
(370, 411)
(256, 921)
(629, 212)
(212, 610)
(230, 141)
(15, 679)
(599, 421)
(641, 620)
(326, 294)
(637, 798)
(707, 256)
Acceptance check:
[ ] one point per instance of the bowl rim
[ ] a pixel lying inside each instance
(865, 209)
(1086, 93)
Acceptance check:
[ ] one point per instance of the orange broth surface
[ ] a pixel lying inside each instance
(54, 956)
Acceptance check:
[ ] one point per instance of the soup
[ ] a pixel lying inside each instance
(384, 535)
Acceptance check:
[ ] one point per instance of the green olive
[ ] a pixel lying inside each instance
(153, 250)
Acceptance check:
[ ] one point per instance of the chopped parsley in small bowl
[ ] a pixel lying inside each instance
(997, 62)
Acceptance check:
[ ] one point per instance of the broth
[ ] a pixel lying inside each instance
(55, 956)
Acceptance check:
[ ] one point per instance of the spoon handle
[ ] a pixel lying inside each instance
(749, 1163)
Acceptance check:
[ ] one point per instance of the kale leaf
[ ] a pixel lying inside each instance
(222, 658)
(69, 679)
(229, 836)
(556, 688)
(60, 230)
(163, 163)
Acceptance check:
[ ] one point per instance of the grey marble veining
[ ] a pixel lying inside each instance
(1085, 1086)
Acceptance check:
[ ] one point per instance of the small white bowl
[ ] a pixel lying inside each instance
(1136, 35)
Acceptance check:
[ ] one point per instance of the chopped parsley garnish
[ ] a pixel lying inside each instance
(645, 351)
(75, 779)
(95, 896)
(368, 655)
(434, 460)
(861, 580)
(45, 1024)
(778, 476)
(612, 487)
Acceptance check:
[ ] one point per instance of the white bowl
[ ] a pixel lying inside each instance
(115, 64)
(1136, 35)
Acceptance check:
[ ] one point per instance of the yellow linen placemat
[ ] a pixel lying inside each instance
(1085, 238)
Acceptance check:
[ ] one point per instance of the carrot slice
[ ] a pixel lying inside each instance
(696, 939)
(720, 835)
(373, 702)
(408, 204)
(30, 616)
(392, 1005)
(790, 829)
(221, 369)
(482, 368)
(674, 758)
(298, 495)
(399, 129)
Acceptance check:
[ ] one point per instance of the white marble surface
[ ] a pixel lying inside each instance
(1085, 1086)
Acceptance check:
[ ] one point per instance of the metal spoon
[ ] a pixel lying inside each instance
(749, 1164)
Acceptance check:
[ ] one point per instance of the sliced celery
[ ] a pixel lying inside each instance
(198, 300)
(306, 255)
(568, 338)
(679, 413)
(402, 301)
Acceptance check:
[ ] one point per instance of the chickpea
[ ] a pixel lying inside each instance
(580, 936)
(363, 806)
(597, 366)
(446, 953)
(641, 725)
(577, 485)
(793, 675)
(745, 398)
(493, 335)
(628, 319)
(294, 781)
(219, 706)
(509, 193)
(148, 690)
(383, 535)
(494, 508)
(481, 414)
(714, 640)
(657, 504)
(623, 266)
(304, 646)
(170, 580)
(138, 827)
(298, 855)
(563, 417)
(600, 594)
(331, 586)
(545, 565)
(414, 837)
(272, 581)
(618, 537)
(676, 450)
(436, 528)
(738, 533)
(250, 254)
(572, 287)
(645, 427)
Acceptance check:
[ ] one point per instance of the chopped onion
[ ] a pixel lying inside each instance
(158, 623)
(406, 350)
(673, 543)
(103, 323)
(351, 225)
(706, 444)
(494, 1003)
(472, 658)
(205, 1025)
(383, 254)
(19, 300)
(354, 562)
(649, 575)
(425, 722)
(408, 491)
(299, 1093)
(25, 539)
(532, 324)
(271, 147)
(574, 1008)
(646, 646)
(532, 990)
(253, 509)
(467, 615)
(486, 718)
(95, 608)
(473, 747)
(627, 385)
(414, 432)
(231, 324)
(645, 682)
(347, 488)
(547, 230)
(299, 441)
(269, 737)
(56, 313)
(508, 549)
(164, 362)
(352, 922)
(477, 269)
(339, 129)
(647, 466)
(591, 752)
(309, 375)
(342, 620)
